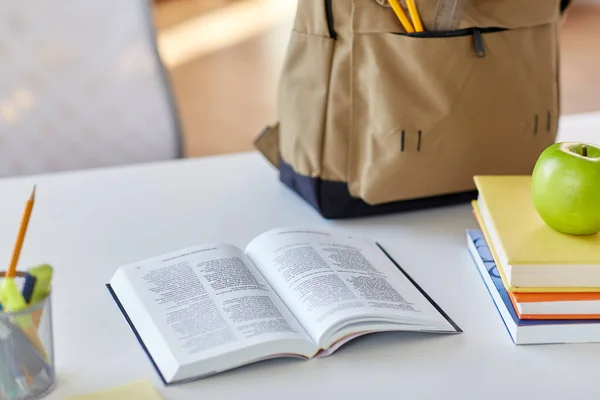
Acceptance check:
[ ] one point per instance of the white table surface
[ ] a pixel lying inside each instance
(87, 223)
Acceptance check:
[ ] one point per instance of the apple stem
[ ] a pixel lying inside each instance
(584, 151)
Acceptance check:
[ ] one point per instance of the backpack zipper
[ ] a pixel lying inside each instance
(478, 43)
(329, 16)
(475, 32)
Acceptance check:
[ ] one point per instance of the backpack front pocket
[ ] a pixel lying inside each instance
(408, 81)
(429, 112)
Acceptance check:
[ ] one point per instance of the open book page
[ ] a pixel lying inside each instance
(335, 283)
(205, 301)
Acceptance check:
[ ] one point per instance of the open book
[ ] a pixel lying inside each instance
(290, 293)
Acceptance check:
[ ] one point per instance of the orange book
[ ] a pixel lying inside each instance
(556, 305)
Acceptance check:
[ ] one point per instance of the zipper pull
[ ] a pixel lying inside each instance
(478, 43)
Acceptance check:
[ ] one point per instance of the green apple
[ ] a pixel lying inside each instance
(565, 188)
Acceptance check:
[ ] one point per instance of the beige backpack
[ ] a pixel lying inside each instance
(373, 119)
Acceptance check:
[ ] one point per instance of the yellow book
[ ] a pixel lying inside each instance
(533, 256)
(500, 267)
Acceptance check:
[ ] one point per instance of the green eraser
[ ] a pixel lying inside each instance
(11, 297)
(43, 279)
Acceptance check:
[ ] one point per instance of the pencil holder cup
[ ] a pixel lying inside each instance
(27, 351)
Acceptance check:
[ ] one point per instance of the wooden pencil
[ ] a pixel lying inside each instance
(21, 236)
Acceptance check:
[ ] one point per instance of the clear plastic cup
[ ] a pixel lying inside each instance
(26, 352)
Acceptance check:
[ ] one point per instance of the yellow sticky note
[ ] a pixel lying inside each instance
(138, 390)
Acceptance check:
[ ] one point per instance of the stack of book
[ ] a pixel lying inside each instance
(545, 284)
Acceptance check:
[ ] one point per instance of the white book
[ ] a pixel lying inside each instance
(290, 293)
(573, 307)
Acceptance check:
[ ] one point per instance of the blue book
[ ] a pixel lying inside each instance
(525, 331)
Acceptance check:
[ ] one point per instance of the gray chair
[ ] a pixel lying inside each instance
(82, 86)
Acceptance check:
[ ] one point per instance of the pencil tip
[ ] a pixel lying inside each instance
(33, 191)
